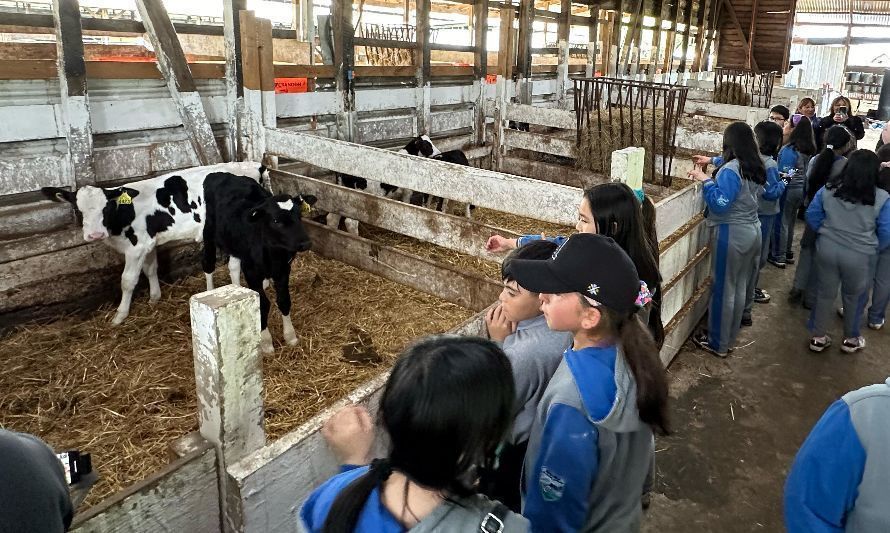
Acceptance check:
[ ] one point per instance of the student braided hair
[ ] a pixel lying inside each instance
(446, 407)
(857, 182)
(836, 139)
(739, 143)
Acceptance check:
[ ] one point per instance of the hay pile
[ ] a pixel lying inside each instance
(125, 393)
(730, 92)
(598, 141)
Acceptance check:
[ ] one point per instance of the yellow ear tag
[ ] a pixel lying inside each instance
(305, 209)
(124, 199)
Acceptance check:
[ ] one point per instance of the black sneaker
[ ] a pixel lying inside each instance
(776, 263)
(817, 344)
(761, 296)
(701, 340)
(789, 258)
(747, 322)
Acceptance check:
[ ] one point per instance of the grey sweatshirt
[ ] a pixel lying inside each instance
(851, 226)
(534, 351)
(589, 454)
(731, 199)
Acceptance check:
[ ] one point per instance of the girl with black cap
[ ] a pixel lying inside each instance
(591, 448)
(446, 407)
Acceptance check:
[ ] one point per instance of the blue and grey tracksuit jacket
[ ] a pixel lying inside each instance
(860, 228)
(589, 453)
(454, 514)
(838, 482)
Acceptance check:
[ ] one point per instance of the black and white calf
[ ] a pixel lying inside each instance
(420, 146)
(456, 157)
(262, 232)
(135, 218)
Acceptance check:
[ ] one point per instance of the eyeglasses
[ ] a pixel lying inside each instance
(778, 119)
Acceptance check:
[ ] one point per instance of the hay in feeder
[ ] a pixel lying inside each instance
(125, 393)
(603, 135)
(730, 92)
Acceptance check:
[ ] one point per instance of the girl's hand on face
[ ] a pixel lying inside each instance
(702, 160)
(350, 434)
(885, 164)
(498, 244)
(697, 174)
(499, 328)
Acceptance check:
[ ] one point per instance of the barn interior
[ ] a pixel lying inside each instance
(107, 92)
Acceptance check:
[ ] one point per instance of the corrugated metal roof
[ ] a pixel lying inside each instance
(880, 7)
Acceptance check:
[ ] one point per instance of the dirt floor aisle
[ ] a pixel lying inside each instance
(738, 423)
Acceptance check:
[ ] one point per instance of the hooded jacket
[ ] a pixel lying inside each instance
(589, 453)
(464, 514)
(838, 482)
(857, 227)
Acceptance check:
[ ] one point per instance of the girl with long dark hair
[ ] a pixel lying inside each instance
(614, 210)
(826, 166)
(793, 159)
(852, 218)
(731, 197)
(445, 408)
(590, 449)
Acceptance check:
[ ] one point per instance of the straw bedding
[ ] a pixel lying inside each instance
(125, 393)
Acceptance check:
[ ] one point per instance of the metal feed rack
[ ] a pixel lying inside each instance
(756, 84)
(602, 100)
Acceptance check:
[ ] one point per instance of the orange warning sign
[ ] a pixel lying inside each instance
(291, 85)
(491, 79)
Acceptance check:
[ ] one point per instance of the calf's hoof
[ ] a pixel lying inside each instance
(266, 345)
(119, 318)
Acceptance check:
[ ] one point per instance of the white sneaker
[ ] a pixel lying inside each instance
(853, 345)
(876, 325)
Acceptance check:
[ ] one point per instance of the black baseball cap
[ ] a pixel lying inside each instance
(592, 265)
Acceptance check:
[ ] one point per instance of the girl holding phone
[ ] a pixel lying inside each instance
(841, 113)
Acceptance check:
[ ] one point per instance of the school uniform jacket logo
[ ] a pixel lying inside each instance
(552, 486)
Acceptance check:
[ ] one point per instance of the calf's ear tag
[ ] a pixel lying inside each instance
(305, 209)
(124, 199)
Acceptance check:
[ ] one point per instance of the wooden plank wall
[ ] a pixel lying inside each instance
(767, 35)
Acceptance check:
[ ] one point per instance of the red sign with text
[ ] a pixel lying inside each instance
(491, 79)
(291, 85)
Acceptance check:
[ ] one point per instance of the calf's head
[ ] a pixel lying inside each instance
(279, 221)
(104, 211)
(422, 146)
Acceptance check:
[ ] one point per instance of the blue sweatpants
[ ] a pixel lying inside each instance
(880, 295)
(767, 222)
(735, 256)
(783, 234)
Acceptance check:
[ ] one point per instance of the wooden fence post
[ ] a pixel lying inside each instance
(480, 64)
(267, 84)
(627, 167)
(562, 40)
(174, 67)
(422, 65)
(73, 87)
(229, 380)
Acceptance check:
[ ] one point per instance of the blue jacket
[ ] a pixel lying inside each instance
(589, 453)
(452, 515)
(792, 160)
(838, 482)
(729, 198)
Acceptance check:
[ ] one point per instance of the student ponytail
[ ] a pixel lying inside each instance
(642, 357)
(347, 507)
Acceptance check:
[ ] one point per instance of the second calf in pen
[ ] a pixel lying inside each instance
(263, 233)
